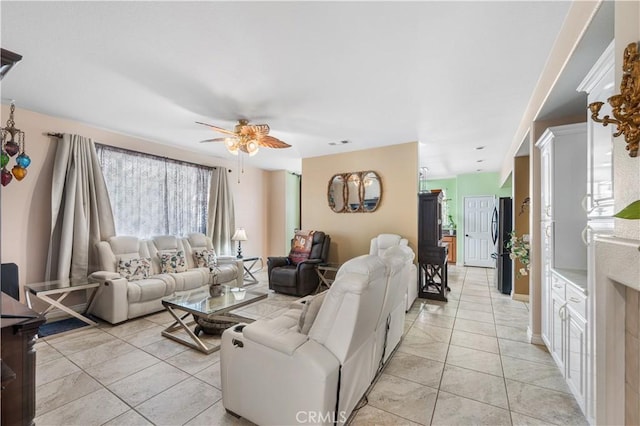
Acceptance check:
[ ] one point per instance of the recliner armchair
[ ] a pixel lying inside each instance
(379, 246)
(299, 279)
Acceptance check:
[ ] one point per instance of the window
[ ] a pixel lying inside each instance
(153, 195)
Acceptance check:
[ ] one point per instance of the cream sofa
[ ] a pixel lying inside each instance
(119, 299)
(323, 372)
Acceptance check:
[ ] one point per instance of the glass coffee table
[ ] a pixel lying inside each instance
(200, 303)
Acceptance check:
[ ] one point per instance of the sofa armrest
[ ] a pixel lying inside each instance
(110, 302)
(226, 259)
(104, 275)
(271, 334)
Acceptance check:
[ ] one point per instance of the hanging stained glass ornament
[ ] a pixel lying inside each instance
(13, 143)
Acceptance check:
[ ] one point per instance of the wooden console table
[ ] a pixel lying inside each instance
(19, 327)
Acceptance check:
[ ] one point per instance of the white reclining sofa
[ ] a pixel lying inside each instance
(380, 244)
(123, 295)
(303, 367)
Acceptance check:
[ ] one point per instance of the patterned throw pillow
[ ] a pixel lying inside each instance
(205, 258)
(135, 269)
(173, 262)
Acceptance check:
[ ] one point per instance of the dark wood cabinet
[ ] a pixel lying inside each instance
(19, 327)
(430, 219)
(432, 254)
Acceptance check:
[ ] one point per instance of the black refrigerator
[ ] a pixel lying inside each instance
(502, 225)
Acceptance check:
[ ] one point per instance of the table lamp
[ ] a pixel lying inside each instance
(239, 236)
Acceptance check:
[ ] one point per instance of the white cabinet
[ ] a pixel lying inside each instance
(569, 331)
(565, 328)
(599, 85)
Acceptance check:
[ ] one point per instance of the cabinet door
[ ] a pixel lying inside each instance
(557, 323)
(599, 201)
(576, 356)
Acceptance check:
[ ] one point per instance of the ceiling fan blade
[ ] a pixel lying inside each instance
(217, 129)
(254, 129)
(214, 140)
(271, 142)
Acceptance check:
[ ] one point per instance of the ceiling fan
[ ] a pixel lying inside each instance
(246, 137)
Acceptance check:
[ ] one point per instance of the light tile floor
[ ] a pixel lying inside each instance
(463, 362)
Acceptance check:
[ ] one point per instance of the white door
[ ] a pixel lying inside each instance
(478, 244)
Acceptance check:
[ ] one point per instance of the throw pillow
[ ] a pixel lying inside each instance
(173, 262)
(135, 269)
(310, 312)
(205, 258)
(301, 247)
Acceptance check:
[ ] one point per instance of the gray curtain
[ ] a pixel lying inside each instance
(221, 220)
(80, 210)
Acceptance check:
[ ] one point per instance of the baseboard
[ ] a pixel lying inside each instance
(56, 314)
(520, 297)
(536, 339)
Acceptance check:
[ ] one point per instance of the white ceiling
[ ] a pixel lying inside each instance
(451, 75)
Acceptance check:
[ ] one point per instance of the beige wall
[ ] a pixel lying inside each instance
(521, 217)
(351, 233)
(277, 245)
(26, 205)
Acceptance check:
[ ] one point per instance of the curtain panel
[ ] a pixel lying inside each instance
(80, 210)
(221, 221)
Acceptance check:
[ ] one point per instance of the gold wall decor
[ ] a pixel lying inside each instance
(354, 192)
(625, 106)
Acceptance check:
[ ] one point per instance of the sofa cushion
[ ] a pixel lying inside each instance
(134, 269)
(152, 288)
(310, 312)
(173, 262)
(191, 279)
(205, 258)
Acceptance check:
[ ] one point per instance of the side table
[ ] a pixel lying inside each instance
(249, 278)
(327, 274)
(61, 288)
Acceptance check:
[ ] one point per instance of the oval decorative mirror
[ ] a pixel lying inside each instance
(336, 193)
(372, 190)
(353, 192)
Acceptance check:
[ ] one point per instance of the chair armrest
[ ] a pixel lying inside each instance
(309, 263)
(275, 262)
(271, 334)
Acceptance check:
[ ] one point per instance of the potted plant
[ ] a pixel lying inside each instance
(519, 250)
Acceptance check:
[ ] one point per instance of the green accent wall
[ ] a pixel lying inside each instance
(467, 185)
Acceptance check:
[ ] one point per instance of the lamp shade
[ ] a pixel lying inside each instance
(240, 235)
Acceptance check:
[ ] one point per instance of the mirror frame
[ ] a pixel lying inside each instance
(360, 189)
(344, 193)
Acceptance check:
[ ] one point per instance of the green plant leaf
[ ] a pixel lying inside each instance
(632, 211)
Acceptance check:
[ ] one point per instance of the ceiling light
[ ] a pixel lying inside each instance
(252, 148)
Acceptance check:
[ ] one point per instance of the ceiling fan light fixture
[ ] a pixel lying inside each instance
(252, 147)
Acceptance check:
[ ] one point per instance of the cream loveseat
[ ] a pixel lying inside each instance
(322, 358)
(126, 291)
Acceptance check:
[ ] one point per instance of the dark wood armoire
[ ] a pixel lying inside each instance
(432, 253)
